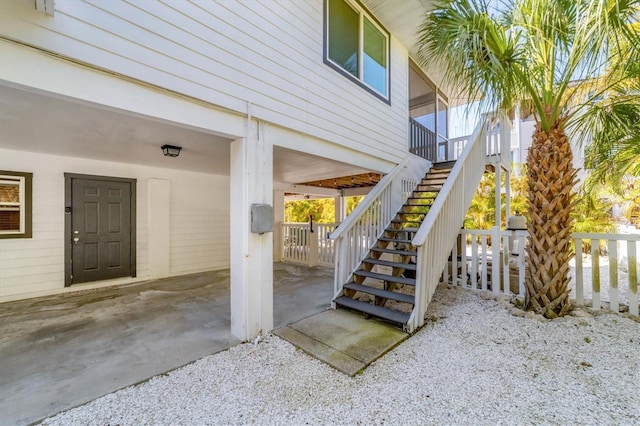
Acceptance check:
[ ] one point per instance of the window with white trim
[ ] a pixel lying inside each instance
(15, 204)
(357, 46)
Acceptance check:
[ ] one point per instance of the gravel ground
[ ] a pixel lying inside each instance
(473, 363)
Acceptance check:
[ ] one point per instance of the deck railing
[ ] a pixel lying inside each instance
(301, 245)
(422, 141)
(495, 144)
(445, 218)
(360, 231)
(474, 263)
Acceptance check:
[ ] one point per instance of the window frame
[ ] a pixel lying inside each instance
(26, 206)
(359, 80)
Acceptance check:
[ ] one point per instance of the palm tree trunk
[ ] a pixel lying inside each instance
(551, 180)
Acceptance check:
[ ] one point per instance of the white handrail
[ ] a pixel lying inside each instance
(362, 228)
(371, 197)
(434, 211)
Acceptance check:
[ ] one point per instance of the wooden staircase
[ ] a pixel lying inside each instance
(383, 284)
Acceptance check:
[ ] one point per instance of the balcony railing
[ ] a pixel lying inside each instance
(422, 141)
(303, 245)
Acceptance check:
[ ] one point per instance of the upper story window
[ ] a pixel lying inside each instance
(357, 46)
(15, 205)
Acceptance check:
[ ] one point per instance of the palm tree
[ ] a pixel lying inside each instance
(612, 126)
(543, 52)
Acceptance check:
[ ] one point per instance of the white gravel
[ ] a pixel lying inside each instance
(474, 363)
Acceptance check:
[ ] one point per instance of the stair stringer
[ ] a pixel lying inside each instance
(440, 228)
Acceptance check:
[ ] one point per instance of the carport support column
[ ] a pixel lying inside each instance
(278, 220)
(340, 209)
(251, 179)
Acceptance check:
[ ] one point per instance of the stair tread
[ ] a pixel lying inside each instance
(371, 309)
(385, 277)
(396, 230)
(417, 205)
(408, 266)
(395, 240)
(392, 251)
(405, 221)
(400, 297)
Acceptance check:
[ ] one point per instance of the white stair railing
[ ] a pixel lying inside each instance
(440, 228)
(360, 231)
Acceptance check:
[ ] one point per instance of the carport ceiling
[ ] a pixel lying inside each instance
(363, 180)
(37, 122)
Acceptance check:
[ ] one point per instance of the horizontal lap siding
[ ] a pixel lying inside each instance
(28, 265)
(199, 218)
(230, 53)
(198, 213)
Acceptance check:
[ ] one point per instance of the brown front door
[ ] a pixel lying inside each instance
(100, 228)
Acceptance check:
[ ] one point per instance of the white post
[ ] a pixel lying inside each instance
(633, 277)
(158, 210)
(498, 198)
(579, 279)
(595, 273)
(483, 243)
(251, 253)
(340, 209)
(495, 260)
(507, 197)
(521, 265)
(613, 276)
(313, 241)
(506, 277)
(278, 219)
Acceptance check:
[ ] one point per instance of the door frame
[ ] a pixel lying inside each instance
(68, 228)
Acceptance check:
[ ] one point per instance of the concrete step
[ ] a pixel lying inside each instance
(386, 294)
(371, 309)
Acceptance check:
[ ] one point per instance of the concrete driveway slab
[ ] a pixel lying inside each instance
(61, 351)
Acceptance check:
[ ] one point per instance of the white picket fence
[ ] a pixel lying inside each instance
(629, 243)
(478, 266)
(306, 246)
(471, 263)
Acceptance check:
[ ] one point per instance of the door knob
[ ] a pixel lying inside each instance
(75, 240)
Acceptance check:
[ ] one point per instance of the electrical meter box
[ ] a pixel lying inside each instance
(261, 218)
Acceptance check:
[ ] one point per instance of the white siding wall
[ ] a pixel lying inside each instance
(268, 53)
(199, 238)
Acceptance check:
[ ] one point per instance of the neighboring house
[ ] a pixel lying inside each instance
(522, 138)
(262, 97)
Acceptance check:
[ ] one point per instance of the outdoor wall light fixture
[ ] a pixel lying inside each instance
(171, 151)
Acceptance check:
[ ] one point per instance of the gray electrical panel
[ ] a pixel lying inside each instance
(261, 218)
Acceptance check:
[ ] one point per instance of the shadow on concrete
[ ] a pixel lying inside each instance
(62, 351)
